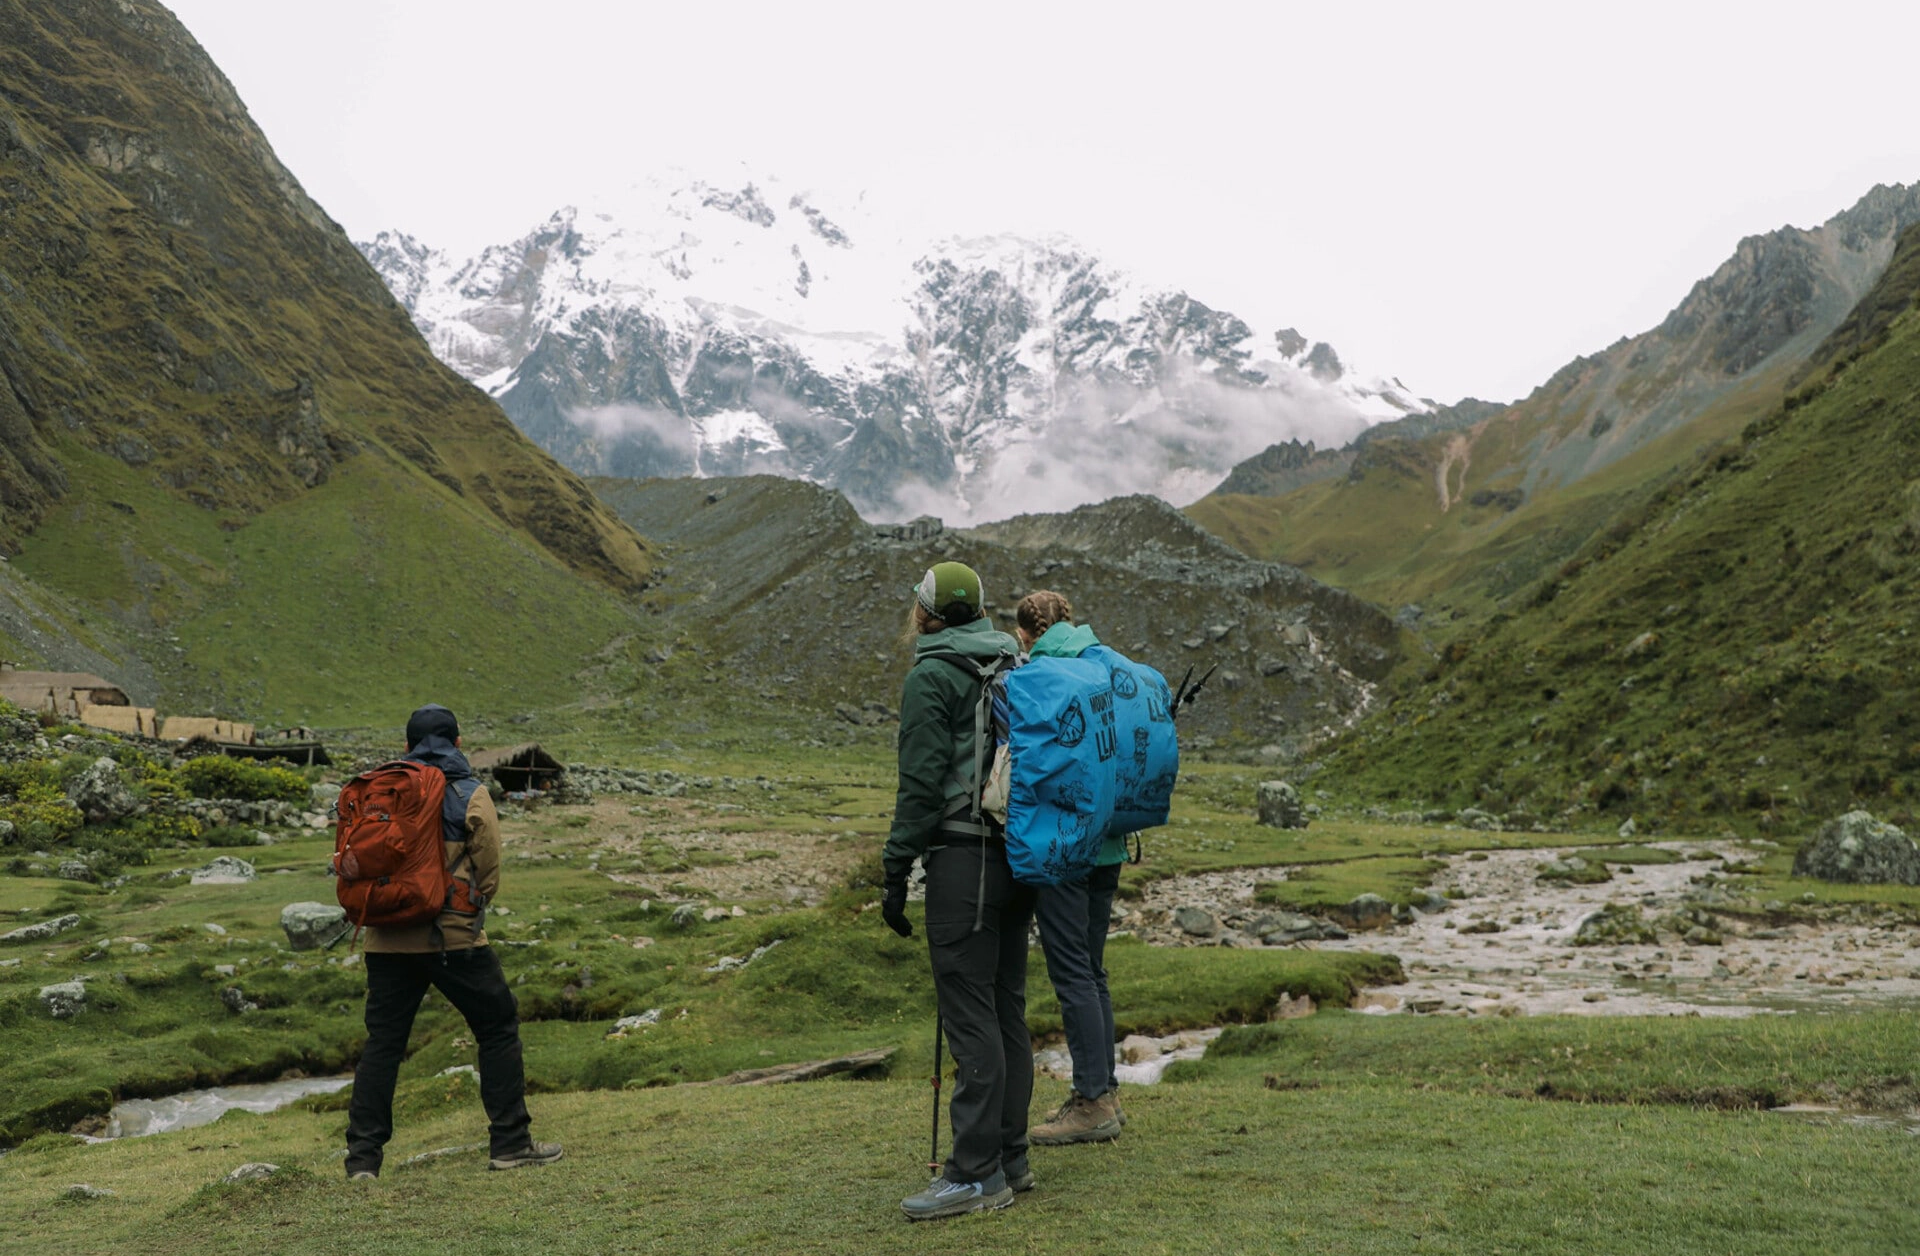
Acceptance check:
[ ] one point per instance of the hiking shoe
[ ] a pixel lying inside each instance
(1084, 1121)
(532, 1153)
(363, 1175)
(1019, 1174)
(944, 1198)
(1119, 1113)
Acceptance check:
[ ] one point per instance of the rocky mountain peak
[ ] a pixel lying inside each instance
(731, 326)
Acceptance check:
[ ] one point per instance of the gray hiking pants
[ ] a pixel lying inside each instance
(980, 980)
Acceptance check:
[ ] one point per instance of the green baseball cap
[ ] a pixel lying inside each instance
(950, 591)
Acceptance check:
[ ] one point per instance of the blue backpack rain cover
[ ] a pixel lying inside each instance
(1092, 753)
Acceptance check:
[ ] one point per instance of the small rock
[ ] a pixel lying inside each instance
(1628, 828)
(252, 1171)
(1136, 1049)
(649, 1017)
(1289, 1008)
(714, 913)
(322, 797)
(64, 1000)
(1594, 996)
(140, 948)
(685, 914)
(74, 870)
(1375, 1001)
(224, 870)
(85, 1191)
(1425, 1005)
(236, 1002)
(1366, 911)
(216, 930)
(1196, 922)
(314, 926)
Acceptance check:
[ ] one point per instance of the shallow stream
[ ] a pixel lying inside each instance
(132, 1118)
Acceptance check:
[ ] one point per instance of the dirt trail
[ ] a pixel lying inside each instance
(1531, 965)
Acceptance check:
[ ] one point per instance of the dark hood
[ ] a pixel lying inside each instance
(443, 754)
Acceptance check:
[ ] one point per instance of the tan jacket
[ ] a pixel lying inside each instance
(459, 932)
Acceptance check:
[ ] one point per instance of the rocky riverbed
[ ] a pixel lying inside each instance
(1504, 944)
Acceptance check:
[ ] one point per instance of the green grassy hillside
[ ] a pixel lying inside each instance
(1742, 646)
(1460, 519)
(217, 424)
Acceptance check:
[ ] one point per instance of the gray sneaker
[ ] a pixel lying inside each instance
(532, 1153)
(944, 1198)
(1019, 1174)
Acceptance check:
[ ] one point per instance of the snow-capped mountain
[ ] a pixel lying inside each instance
(706, 330)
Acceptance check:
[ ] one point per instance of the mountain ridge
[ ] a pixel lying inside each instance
(724, 332)
(1542, 476)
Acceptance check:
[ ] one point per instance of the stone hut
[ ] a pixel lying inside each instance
(520, 769)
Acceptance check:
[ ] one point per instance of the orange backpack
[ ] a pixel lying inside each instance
(389, 852)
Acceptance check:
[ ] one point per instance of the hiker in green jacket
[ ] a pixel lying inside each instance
(1073, 918)
(977, 916)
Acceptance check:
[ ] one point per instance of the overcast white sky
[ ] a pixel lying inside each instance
(1465, 195)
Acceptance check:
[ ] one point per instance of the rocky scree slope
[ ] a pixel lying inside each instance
(781, 588)
(1741, 648)
(1471, 516)
(705, 330)
(193, 355)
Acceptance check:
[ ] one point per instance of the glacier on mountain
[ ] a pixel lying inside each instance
(690, 328)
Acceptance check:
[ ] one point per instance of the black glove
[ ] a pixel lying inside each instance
(893, 907)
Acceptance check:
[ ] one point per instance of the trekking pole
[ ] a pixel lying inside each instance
(939, 1033)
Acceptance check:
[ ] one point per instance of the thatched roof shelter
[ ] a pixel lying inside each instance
(65, 694)
(520, 768)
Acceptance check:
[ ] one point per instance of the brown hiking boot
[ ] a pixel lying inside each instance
(1080, 1120)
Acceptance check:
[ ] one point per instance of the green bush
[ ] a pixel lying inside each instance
(40, 815)
(216, 776)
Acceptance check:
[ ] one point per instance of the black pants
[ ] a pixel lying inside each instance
(1073, 932)
(980, 979)
(472, 981)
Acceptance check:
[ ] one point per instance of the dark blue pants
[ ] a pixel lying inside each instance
(1073, 920)
(472, 981)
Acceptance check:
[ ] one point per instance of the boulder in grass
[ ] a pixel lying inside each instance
(101, 793)
(252, 1171)
(42, 931)
(314, 926)
(1279, 805)
(1857, 849)
(64, 1000)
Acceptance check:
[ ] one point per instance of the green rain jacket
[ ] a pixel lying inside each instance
(1069, 641)
(936, 737)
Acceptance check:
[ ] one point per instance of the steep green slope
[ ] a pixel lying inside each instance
(221, 433)
(1465, 518)
(1743, 647)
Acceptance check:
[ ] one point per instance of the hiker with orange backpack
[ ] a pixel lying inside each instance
(417, 854)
